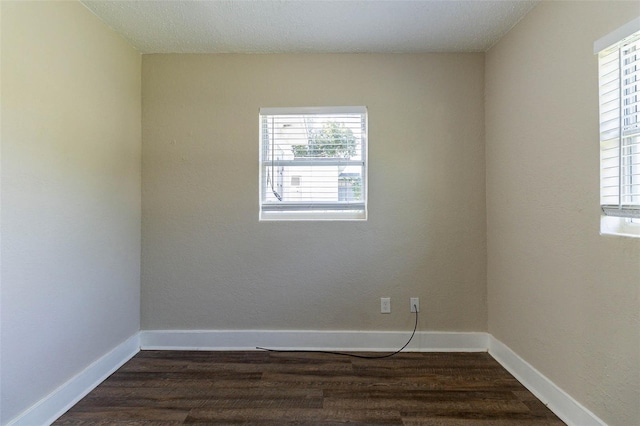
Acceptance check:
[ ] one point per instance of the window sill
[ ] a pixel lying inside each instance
(277, 216)
(619, 226)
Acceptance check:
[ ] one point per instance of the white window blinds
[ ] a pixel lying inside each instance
(313, 163)
(619, 79)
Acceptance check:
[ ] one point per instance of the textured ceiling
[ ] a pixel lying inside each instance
(296, 26)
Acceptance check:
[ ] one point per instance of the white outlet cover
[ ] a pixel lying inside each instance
(385, 305)
(414, 302)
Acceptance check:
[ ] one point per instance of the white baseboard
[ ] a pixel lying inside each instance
(561, 403)
(48, 409)
(374, 341)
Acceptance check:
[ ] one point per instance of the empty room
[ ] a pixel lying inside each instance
(306, 211)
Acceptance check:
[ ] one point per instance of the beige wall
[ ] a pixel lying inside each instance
(564, 298)
(70, 196)
(209, 264)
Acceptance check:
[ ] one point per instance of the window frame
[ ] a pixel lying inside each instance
(313, 210)
(620, 153)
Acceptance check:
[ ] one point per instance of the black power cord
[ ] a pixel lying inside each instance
(415, 327)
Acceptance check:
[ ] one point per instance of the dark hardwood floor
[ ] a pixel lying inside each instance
(177, 387)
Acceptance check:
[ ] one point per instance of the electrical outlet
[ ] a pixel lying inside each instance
(385, 305)
(415, 304)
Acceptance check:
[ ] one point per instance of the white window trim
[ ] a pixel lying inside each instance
(615, 220)
(313, 212)
(616, 36)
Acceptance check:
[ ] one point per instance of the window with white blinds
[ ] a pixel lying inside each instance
(313, 163)
(619, 80)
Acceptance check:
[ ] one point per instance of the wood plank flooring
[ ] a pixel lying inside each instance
(179, 387)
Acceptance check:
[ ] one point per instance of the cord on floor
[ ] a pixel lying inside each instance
(415, 327)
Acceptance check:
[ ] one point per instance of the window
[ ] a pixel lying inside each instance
(313, 163)
(619, 80)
